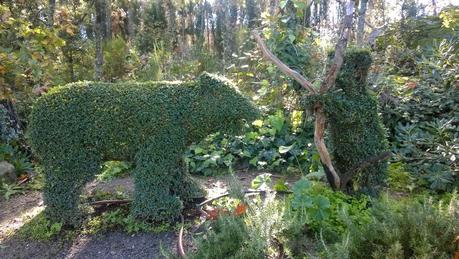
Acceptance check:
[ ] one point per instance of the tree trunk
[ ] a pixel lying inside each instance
(98, 31)
(108, 20)
(130, 22)
(172, 24)
(52, 9)
(361, 22)
(434, 6)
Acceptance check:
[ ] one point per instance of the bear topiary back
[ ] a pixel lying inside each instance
(75, 128)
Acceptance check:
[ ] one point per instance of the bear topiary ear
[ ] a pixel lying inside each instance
(211, 82)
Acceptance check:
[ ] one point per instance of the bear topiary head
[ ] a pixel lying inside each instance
(353, 74)
(230, 109)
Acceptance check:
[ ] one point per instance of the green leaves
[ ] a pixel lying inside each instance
(8, 190)
(113, 169)
(316, 207)
(271, 143)
(285, 149)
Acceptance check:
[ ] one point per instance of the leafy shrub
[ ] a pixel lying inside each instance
(119, 60)
(405, 229)
(418, 96)
(151, 69)
(421, 113)
(314, 209)
(74, 128)
(271, 144)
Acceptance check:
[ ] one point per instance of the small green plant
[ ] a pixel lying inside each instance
(120, 218)
(14, 156)
(114, 169)
(314, 209)
(262, 182)
(40, 228)
(246, 235)
(9, 190)
(229, 238)
(308, 206)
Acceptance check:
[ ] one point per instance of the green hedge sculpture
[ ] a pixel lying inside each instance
(356, 132)
(75, 128)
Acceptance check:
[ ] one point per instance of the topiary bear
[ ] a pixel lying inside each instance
(75, 128)
(356, 133)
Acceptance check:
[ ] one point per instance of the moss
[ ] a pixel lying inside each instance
(75, 128)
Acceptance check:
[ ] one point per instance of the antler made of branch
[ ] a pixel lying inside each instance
(327, 83)
(283, 67)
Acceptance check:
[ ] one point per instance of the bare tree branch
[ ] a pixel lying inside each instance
(340, 47)
(283, 67)
(363, 165)
(319, 131)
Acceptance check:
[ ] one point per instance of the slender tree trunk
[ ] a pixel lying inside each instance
(130, 22)
(172, 24)
(98, 31)
(52, 9)
(434, 6)
(108, 20)
(361, 22)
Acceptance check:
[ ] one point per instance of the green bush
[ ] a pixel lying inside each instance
(74, 128)
(356, 131)
(406, 229)
(416, 75)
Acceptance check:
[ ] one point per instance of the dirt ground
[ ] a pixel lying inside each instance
(15, 212)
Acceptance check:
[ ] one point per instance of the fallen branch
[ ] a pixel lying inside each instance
(180, 248)
(371, 161)
(364, 164)
(227, 194)
(110, 202)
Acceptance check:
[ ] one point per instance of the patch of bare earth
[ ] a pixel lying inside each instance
(15, 212)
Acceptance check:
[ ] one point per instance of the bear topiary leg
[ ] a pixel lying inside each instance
(186, 187)
(156, 167)
(63, 184)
